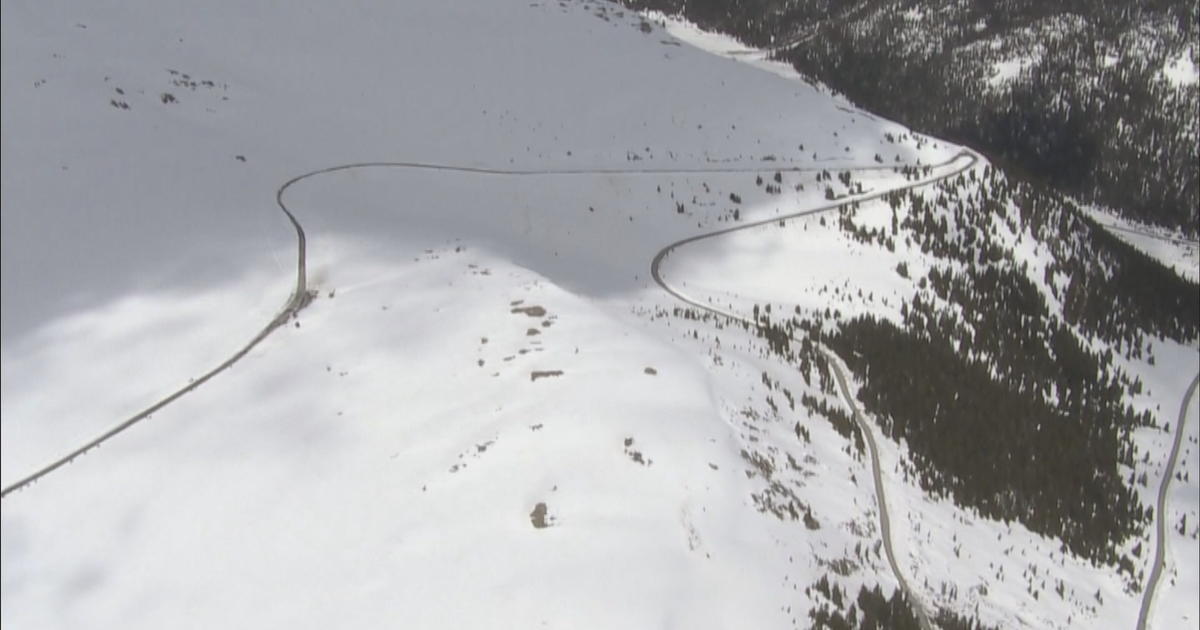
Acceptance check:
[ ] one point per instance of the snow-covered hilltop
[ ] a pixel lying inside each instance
(491, 414)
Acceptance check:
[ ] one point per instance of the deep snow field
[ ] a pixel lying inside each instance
(489, 416)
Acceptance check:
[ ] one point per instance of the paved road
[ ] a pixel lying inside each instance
(1160, 510)
(965, 161)
(301, 296)
(298, 300)
(1162, 237)
(885, 521)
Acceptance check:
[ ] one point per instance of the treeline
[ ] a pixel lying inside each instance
(1004, 405)
(1000, 396)
(1006, 453)
(872, 610)
(1088, 110)
(1108, 289)
(1002, 373)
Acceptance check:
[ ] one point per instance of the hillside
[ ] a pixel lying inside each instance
(1098, 99)
(606, 330)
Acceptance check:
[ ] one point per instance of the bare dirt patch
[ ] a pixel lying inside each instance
(539, 517)
(536, 374)
(634, 454)
(532, 311)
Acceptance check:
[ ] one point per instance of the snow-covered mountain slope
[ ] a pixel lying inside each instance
(1001, 572)
(1171, 248)
(1097, 99)
(490, 415)
(154, 201)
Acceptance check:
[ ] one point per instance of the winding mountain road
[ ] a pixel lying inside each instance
(968, 159)
(885, 520)
(301, 296)
(1160, 510)
(298, 300)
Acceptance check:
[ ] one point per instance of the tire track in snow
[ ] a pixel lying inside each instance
(301, 296)
(1160, 508)
(970, 160)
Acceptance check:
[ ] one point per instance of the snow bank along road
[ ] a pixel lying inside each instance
(1160, 510)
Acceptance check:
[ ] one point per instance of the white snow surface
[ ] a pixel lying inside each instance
(1181, 70)
(381, 461)
(1009, 70)
(722, 44)
(1001, 572)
